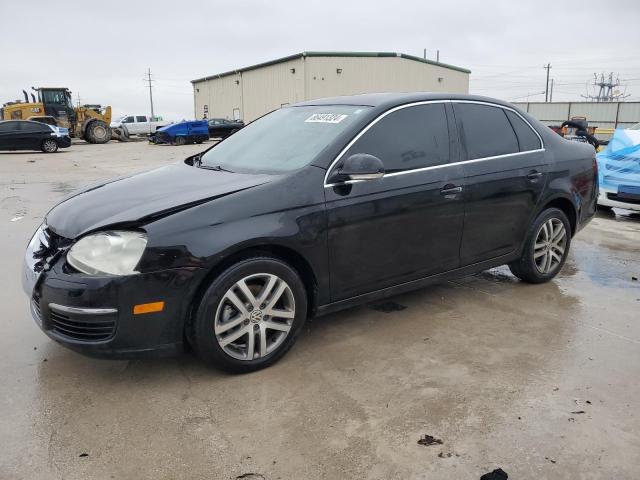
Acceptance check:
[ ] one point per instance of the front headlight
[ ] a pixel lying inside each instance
(111, 252)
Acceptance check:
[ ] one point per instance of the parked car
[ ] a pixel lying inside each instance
(49, 120)
(139, 124)
(181, 133)
(223, 128)
(619, 170)
(312, 208)
(28, 135)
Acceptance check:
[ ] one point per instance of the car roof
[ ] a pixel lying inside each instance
(20, 120)
(390, 100)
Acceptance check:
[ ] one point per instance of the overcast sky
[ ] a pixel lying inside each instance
(102, 53)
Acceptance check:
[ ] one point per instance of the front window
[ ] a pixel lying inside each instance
(284, 140)
(54, 97)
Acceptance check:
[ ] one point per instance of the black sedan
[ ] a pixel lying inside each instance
(223, 128)
(312, 208)
(28, 135)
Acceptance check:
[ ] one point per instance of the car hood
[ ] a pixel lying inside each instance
(142, 198)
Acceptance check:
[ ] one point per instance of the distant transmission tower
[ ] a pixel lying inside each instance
(607, 89)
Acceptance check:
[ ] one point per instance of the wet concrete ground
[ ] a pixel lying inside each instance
(491, 366)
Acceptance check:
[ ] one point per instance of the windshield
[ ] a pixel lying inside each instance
(284, 140)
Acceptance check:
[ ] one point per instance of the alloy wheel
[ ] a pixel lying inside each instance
(49, 146)
(254, 316)
(550, 245)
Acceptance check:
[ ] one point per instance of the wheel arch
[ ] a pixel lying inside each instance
(281, 252)
(85, 124)
(567, 206)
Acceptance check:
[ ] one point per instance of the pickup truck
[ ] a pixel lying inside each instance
(139, 124)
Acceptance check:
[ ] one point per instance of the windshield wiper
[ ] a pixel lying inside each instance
(217, 168)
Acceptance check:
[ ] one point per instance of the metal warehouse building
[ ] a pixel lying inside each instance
(250, 92)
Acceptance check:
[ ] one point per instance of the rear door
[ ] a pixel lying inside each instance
(142, 125)
(505, 173)
(22, 135)
(8, 135)
(406, 225)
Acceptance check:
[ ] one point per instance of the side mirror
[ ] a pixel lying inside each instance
(360, 166)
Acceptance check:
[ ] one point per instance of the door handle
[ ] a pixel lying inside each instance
(534, 175)
(450, 190)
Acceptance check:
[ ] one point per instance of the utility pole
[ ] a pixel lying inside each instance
(551, 92)
(424, 54)
(546, 90)
(149, 81)
(78, 99)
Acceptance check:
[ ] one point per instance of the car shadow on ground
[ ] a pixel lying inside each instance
(371, 323)
(33, 152)
(619, 214)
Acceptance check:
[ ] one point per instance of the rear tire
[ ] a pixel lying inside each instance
(546, 247)
(97, 131)
(250, 315)
(49, 146)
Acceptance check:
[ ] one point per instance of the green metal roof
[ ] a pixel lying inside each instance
(331, 54)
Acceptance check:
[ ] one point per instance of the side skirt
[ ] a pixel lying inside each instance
(414, 284)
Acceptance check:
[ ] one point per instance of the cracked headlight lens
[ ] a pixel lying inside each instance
(111, 252)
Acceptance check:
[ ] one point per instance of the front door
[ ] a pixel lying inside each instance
(406, 225)
(505, 173)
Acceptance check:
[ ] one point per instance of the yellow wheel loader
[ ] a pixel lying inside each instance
(89, 122)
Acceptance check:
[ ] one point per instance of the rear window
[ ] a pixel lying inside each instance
(527, 139)
(33, 127)
(486, 131)
(8, 126)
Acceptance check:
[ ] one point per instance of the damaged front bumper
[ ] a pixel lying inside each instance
(94, 315)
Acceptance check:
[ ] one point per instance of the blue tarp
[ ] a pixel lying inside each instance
(619, 162)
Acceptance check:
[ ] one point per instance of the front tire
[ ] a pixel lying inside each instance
(97, 132)
(546, 247)
(49, 146)
(250, 316)
(180, 141)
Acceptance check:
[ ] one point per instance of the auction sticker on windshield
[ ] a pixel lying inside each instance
(326, 118)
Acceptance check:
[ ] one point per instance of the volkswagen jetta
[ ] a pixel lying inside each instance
(312, 208)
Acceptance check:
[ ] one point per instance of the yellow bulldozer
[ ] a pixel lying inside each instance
(54, 106)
